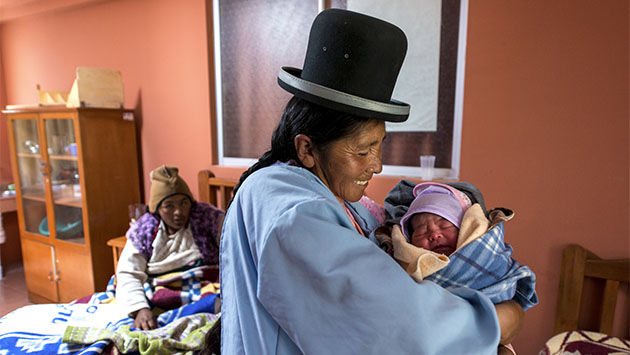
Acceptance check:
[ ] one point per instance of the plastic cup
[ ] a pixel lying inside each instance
(72, 149)
(427, 163)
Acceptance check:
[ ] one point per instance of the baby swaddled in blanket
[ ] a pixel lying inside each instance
(444, 236)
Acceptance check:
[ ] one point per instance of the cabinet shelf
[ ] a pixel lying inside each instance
(71, 201)
(28, 155)
(63, 157)
(40, 198)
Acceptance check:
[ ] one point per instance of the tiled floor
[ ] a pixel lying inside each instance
(12, 289)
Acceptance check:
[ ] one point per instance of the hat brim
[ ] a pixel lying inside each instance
(290, 80)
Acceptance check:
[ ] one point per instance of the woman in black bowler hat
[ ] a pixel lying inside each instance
(301, 272)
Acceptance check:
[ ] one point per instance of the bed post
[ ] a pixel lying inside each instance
(570, 289)
(578, 263)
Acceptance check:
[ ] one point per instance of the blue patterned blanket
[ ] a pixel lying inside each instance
(486, 264)
(38, 329)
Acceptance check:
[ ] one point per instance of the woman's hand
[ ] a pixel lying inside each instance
(511, 317)
(145, 320)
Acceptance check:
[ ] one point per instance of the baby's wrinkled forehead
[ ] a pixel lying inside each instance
(423, 219)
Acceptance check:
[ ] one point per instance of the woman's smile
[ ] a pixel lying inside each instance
(347, 165)
(362, 183)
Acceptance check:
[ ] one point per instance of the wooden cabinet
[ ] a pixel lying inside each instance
(75, 171)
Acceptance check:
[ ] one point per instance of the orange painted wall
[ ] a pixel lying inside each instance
(158, 45)
(5, 166)
(546, 111)
(546, 133)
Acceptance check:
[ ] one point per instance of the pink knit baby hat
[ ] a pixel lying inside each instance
(440, 199)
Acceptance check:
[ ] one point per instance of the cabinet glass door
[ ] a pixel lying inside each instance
(64, 178)
(29, 161)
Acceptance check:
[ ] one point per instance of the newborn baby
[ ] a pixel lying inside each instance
(433, 219)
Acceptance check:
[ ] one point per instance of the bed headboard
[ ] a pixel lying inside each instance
(215, 191)
(577, 264)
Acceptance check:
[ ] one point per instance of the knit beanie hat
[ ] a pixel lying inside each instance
(166, 182)
(439, 199)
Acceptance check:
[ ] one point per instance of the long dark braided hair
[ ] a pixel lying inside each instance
(322, 125)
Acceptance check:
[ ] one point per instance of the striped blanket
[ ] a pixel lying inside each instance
(183, 335)
(91, 324)
(170, 290)
(90, 329)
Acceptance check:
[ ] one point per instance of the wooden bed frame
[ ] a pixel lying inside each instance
(577, 264)
(213, 190)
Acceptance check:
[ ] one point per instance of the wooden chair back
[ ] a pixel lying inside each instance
(215, 191)
(577, 264)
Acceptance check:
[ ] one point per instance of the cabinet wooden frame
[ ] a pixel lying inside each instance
(106, 158)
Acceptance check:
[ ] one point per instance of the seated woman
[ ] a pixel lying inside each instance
(167, 266)
(301, 272)
(177, 233)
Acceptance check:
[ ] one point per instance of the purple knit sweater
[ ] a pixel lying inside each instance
(204, 224)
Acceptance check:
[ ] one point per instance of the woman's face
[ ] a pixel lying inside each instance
(432, 232)
(348, 164)
(174, 211)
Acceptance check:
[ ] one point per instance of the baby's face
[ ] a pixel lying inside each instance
(432, 232)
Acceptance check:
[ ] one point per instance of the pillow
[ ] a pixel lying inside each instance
(585, 342)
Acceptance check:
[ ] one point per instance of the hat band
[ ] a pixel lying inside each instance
(341, 97)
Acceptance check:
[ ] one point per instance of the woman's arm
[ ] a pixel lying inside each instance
(296, 276)
(353, 293)
(511, 317)
(130, 277)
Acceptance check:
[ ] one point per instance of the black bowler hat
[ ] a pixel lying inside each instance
(351, 65)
